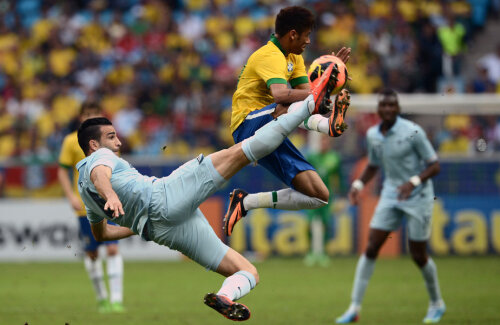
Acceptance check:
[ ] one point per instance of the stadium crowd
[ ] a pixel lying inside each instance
(165, 71)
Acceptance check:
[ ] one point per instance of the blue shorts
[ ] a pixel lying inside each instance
(88, 240)
(286, 161)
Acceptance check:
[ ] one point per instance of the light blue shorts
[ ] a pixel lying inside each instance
(418, 213)
(175, 219)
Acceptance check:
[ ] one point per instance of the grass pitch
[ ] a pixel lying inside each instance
(289, 293)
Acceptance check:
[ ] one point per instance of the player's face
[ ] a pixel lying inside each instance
(109, 139)
(300, 42)
(388, 108)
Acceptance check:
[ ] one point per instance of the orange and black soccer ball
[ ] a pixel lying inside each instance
(319, 66)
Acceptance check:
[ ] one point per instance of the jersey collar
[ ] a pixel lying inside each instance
(276, 42)
(394, 127)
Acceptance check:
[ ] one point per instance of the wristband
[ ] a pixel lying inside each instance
(358, 185)
(415, 180)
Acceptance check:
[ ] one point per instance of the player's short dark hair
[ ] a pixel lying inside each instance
(295, 17)
(91, 130)
(387, 92)
(90, 105)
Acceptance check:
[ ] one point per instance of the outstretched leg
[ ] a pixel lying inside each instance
(229, 161)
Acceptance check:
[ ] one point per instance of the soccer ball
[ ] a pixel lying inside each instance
(319, 65)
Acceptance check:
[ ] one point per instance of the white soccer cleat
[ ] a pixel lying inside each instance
(350, 316)
(434, 313)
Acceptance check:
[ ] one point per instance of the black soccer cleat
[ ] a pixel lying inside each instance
(228, 308)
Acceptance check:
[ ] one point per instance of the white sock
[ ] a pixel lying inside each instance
(115, 277)
(237, 285)
(286, 199)
(429, 272)
(364, 271)
(354, 308)
(96, 275)
(316, 123)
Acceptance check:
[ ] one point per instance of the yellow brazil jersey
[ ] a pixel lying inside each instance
(70, 155)
(266, 66)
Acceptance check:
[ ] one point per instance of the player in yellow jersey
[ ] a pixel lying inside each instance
(262, 95)
(70, 155)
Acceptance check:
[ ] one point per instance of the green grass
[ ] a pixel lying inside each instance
(289, 293)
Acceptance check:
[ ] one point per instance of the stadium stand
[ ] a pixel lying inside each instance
(165, 71)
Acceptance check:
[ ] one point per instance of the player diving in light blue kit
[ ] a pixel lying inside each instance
(401, 148)
(165, 210)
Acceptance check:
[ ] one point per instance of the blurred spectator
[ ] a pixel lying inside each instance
(481, 82)
(2, 181)
(181, 60)
(491, 62)
(429, 56)
(7, 139)
(126, 122)
(479, 13)
(457, 143)
(90, 76)
(452, 37)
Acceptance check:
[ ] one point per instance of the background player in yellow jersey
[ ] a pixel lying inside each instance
(262, 95)
(70, 155)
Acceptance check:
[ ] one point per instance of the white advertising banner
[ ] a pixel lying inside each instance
(47, 230)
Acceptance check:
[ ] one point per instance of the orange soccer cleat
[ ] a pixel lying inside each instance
(236, 210)
(228, 308)
(336, 120)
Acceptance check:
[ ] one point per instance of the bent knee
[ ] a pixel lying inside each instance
(253, 271)
(320, 198)
(112, 249)
(92, 255)
(323, 195)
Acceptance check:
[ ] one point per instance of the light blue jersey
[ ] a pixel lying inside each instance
(404, 151)
(133, 189)
(163, 210)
